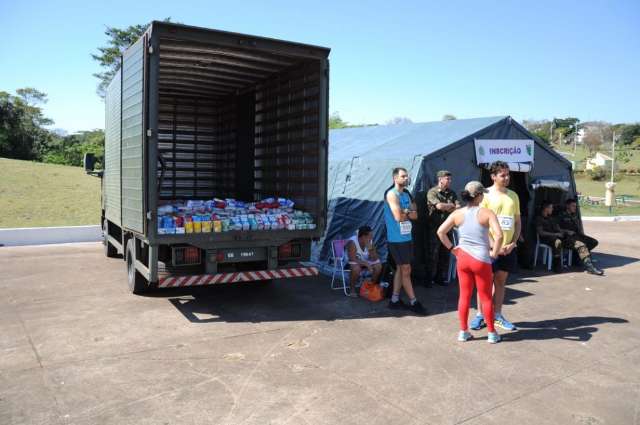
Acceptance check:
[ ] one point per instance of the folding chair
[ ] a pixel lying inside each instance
(337, 257)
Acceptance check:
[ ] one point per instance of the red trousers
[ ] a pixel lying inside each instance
(472, 272)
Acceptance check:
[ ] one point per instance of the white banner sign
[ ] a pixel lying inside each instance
(507, 150)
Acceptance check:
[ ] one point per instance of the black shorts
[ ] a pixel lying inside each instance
(506, 263)
(402, 252)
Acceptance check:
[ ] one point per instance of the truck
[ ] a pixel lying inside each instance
(200, 114)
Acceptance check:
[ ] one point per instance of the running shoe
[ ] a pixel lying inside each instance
(398, 305)
(478, 322)
(418, 308)
(464, 336)
(503, 323)
(493, 337)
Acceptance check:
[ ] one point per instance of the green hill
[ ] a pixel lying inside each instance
(33, 194)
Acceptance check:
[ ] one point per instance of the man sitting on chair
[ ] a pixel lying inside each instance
(362, 256)
(551, 234)
(570, 222)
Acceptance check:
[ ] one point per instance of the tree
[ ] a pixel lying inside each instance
(564, 129)
(449, 117)
(629, 134)
(70, 150)
(336, 122)
(22, 132)
(399, 120)
(119, 40)
(541, 128)
(592, 140)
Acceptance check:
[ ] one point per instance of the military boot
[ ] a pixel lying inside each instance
(590, 268)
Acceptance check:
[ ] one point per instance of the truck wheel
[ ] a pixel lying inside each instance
(137, 283)
(109, 250)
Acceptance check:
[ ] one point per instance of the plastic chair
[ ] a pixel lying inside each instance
(451, 275)
(547, 253)
(337, 257)
(569, 253)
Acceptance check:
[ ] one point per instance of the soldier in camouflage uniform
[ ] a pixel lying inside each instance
(551, 234)
(441, 201)
(570, 222)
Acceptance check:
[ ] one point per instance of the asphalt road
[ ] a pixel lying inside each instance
(77, 348)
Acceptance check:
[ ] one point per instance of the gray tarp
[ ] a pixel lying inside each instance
(361, 160)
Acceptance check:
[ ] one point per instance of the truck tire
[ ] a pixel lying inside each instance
(110, 251)
(137, 283)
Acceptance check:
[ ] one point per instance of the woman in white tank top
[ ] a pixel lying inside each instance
(474, 255)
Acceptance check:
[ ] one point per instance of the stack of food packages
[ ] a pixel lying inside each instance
(223, 215)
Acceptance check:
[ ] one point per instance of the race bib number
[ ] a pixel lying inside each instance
(506, 222)
(405, 227)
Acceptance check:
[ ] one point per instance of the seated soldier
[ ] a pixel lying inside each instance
(551, 234)
(570, 222)
(361, 256)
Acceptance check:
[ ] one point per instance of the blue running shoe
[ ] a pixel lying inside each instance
(478, 322)
(493, 337)
(464, 336)
(503, 323)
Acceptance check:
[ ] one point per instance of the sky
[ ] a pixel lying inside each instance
(416, 59)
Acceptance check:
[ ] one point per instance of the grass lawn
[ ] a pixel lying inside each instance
(602, 211)
(628, 186)
(34, 194)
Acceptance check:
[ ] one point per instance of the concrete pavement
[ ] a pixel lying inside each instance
(77, 348)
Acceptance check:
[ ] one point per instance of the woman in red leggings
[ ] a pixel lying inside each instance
(474, 255)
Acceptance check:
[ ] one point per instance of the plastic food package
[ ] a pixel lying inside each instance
(218, 215)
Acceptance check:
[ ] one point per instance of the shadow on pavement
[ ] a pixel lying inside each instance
(570, 328)
(277, 301)
(289, 300)
(605, 261)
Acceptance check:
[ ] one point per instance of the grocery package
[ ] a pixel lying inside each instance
(223, 215)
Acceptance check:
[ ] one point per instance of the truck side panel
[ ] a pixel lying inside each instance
(112, 194)
(133, 137)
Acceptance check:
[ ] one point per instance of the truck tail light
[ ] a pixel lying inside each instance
(186, 256)
(290, 250)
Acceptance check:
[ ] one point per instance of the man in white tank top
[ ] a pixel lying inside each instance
(361, 255)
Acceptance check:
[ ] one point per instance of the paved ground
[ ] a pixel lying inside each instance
(77, 348)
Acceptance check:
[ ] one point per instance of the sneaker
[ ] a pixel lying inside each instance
(493, 337)
(418, 309)
(464, 336)
(503, 323)
(398, 305)
(478, 322)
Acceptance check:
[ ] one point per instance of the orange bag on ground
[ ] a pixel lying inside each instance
(371, 291)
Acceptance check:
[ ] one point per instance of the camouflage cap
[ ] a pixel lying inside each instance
(443, 173)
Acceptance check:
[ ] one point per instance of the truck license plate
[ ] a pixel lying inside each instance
(240, 254)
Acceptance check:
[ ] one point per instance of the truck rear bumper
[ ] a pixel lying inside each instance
(249, 276)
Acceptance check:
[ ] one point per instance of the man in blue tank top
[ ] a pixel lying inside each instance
(399, 210)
